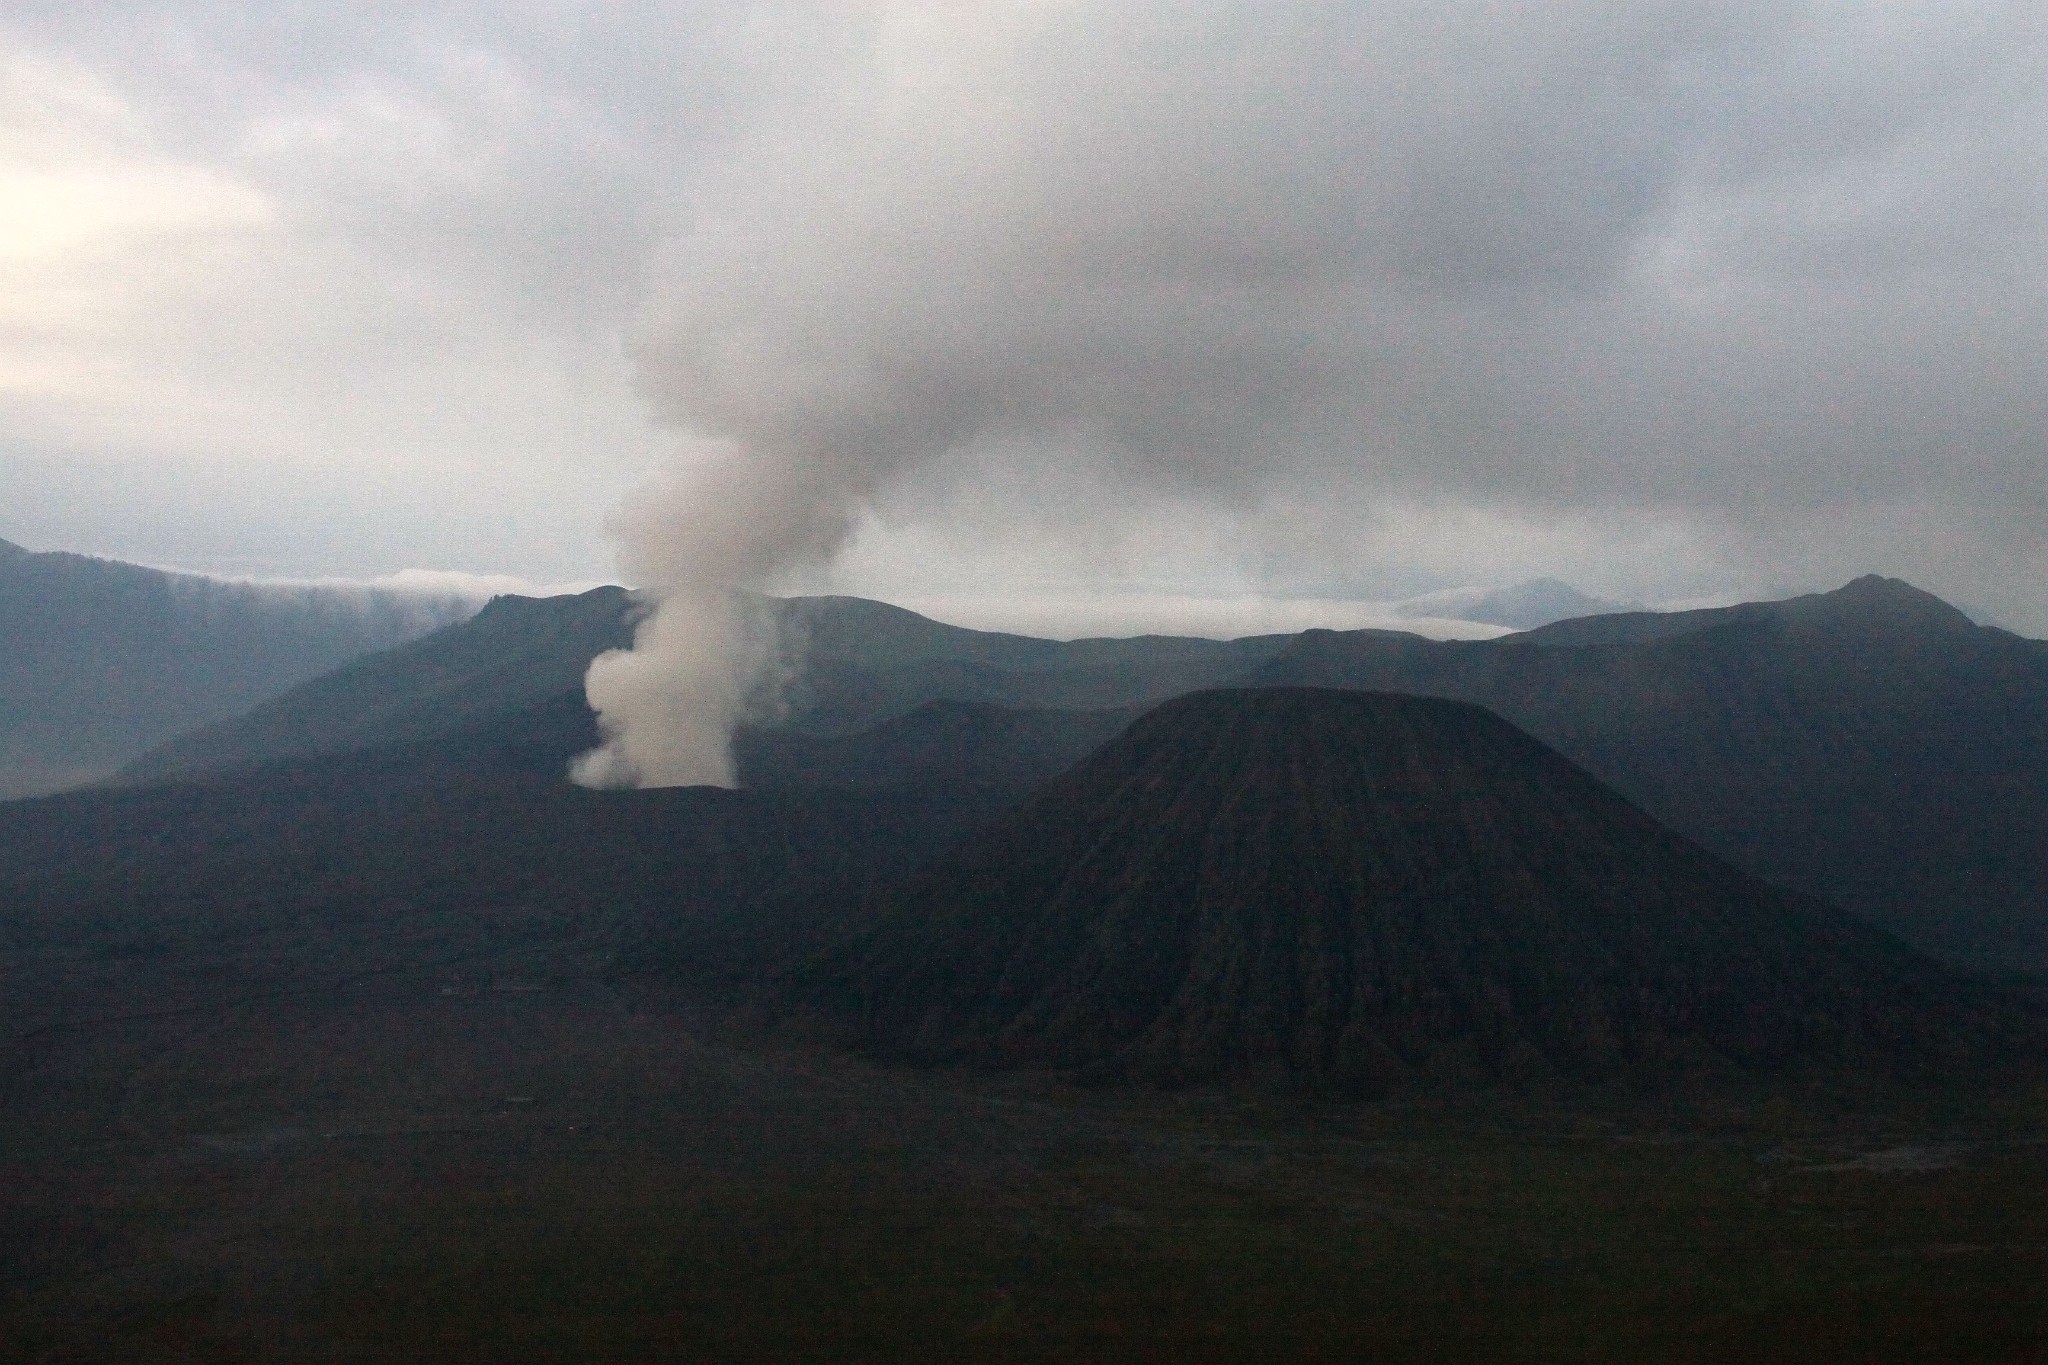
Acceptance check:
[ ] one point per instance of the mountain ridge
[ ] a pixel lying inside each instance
(1868, 746)
(513, 653)
(867, 663)
(100, 660)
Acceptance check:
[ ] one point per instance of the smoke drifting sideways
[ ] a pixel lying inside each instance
(1696, 263)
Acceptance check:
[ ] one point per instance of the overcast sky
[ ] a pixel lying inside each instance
(1201, 300)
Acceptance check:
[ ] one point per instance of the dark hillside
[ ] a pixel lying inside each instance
(301, 875)
(518, 652)
(863, 664)
(1352, 890)
(867, 662)
(942, 745)
(1869, 746)
(100, 659)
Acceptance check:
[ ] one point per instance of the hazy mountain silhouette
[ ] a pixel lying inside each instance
(866, 662)
(515, 654)
(863, 663)
(1353, 890)
(1870, 746)
(99, 660)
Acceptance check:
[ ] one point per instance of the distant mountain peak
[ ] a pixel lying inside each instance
(1873, 587)
(1874, 599)
(9, 550)
(513, 603)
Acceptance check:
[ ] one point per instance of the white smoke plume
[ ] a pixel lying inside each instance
(1696, 263)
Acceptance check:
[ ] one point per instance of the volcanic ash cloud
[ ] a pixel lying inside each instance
(1621, 258)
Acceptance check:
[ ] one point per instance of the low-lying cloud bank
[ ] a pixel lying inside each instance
(454, 584)
(1216, 618)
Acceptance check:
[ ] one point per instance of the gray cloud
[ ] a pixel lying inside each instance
(1741, 272)
(343, 261)
(1212, 300)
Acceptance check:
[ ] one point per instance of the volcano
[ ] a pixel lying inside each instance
(1354, 890)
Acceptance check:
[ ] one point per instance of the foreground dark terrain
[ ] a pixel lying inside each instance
(518, 1157)
(1293, 1023)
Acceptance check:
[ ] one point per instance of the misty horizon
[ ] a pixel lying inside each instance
(1057, 612)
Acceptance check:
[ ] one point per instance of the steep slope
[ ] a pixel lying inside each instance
(517, 653)
(1869, 746)
(1352, 890)
(99, 660)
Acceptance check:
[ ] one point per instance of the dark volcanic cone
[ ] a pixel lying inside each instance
(1346, 889)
